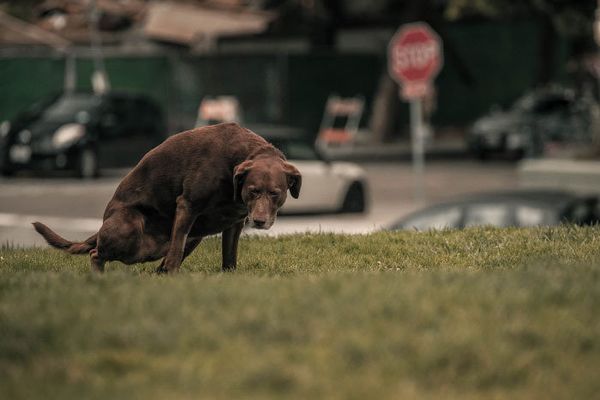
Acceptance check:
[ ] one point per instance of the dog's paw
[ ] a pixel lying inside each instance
(161, 269)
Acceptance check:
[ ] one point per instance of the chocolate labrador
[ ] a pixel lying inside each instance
(197, 183)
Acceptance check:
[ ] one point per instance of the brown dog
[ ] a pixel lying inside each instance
(196, 183)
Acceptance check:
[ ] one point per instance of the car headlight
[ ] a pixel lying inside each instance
(67, 135)
(4, 128)
(24, 136)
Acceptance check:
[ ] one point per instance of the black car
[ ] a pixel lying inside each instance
(81, 132)
(519, 209)
(546, 115)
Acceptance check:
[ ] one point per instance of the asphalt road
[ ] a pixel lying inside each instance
(74, 208)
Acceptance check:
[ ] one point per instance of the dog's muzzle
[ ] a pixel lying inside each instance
(260, 215)
(261, 223)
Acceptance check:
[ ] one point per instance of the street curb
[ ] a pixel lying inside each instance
(575, 175)
(394, 152)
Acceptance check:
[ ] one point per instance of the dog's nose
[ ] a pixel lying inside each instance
(259, 223)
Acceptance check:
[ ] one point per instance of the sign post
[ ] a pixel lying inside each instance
(414, 60)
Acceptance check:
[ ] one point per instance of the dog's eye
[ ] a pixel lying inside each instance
(273, 194)
(254, 192)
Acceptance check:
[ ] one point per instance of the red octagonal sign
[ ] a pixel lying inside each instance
(414, 55)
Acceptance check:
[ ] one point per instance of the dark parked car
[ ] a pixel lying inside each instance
(542, 116)
(81, 132)
(520, 209)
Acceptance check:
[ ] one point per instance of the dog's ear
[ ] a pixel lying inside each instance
(294, 179)
(239, 174)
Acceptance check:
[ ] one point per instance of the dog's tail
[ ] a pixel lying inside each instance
(55, 240)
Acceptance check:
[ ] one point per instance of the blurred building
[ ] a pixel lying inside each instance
(281, 59)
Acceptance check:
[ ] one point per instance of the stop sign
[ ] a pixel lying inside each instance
(415, 55)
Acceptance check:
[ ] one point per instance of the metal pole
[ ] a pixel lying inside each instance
(70, 79)
(596, 34)
(100, 80)
(418, 148)
(595, 107)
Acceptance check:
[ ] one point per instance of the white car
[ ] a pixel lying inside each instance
(327, 186)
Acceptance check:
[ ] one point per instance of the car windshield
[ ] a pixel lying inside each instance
(525, 104)
(66, 107)
(541, 104)
(295, 149)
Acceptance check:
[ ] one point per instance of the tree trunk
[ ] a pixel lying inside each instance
(385, 108)
(547, 51)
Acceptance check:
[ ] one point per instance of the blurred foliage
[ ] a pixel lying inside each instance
(573, 17)
(570, 16)
(24, 9)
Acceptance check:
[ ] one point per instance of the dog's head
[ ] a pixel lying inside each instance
(262, 185)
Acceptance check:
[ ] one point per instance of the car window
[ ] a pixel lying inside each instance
(147, 116)
(534, 216)
(118, 117)
(122, 108)
(143, 108)
(438, 219)
(551, 105)
(488, 214)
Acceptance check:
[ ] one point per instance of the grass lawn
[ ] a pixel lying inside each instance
(473, 314)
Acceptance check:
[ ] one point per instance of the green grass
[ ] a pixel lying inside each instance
(474, 314)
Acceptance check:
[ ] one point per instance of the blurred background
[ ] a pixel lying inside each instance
(511, 129)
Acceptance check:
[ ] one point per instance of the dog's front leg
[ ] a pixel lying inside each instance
(184, 219)
(229, 243)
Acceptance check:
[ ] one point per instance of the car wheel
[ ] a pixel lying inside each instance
(7, 171)
(517, 154)
(354, 202)
(482, 154)
(87, 163)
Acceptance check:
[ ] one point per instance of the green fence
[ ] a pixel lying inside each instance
(24, 80)
(147, 75)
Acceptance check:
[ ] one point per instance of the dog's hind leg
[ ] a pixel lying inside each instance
(190, 245)
(185, 215)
